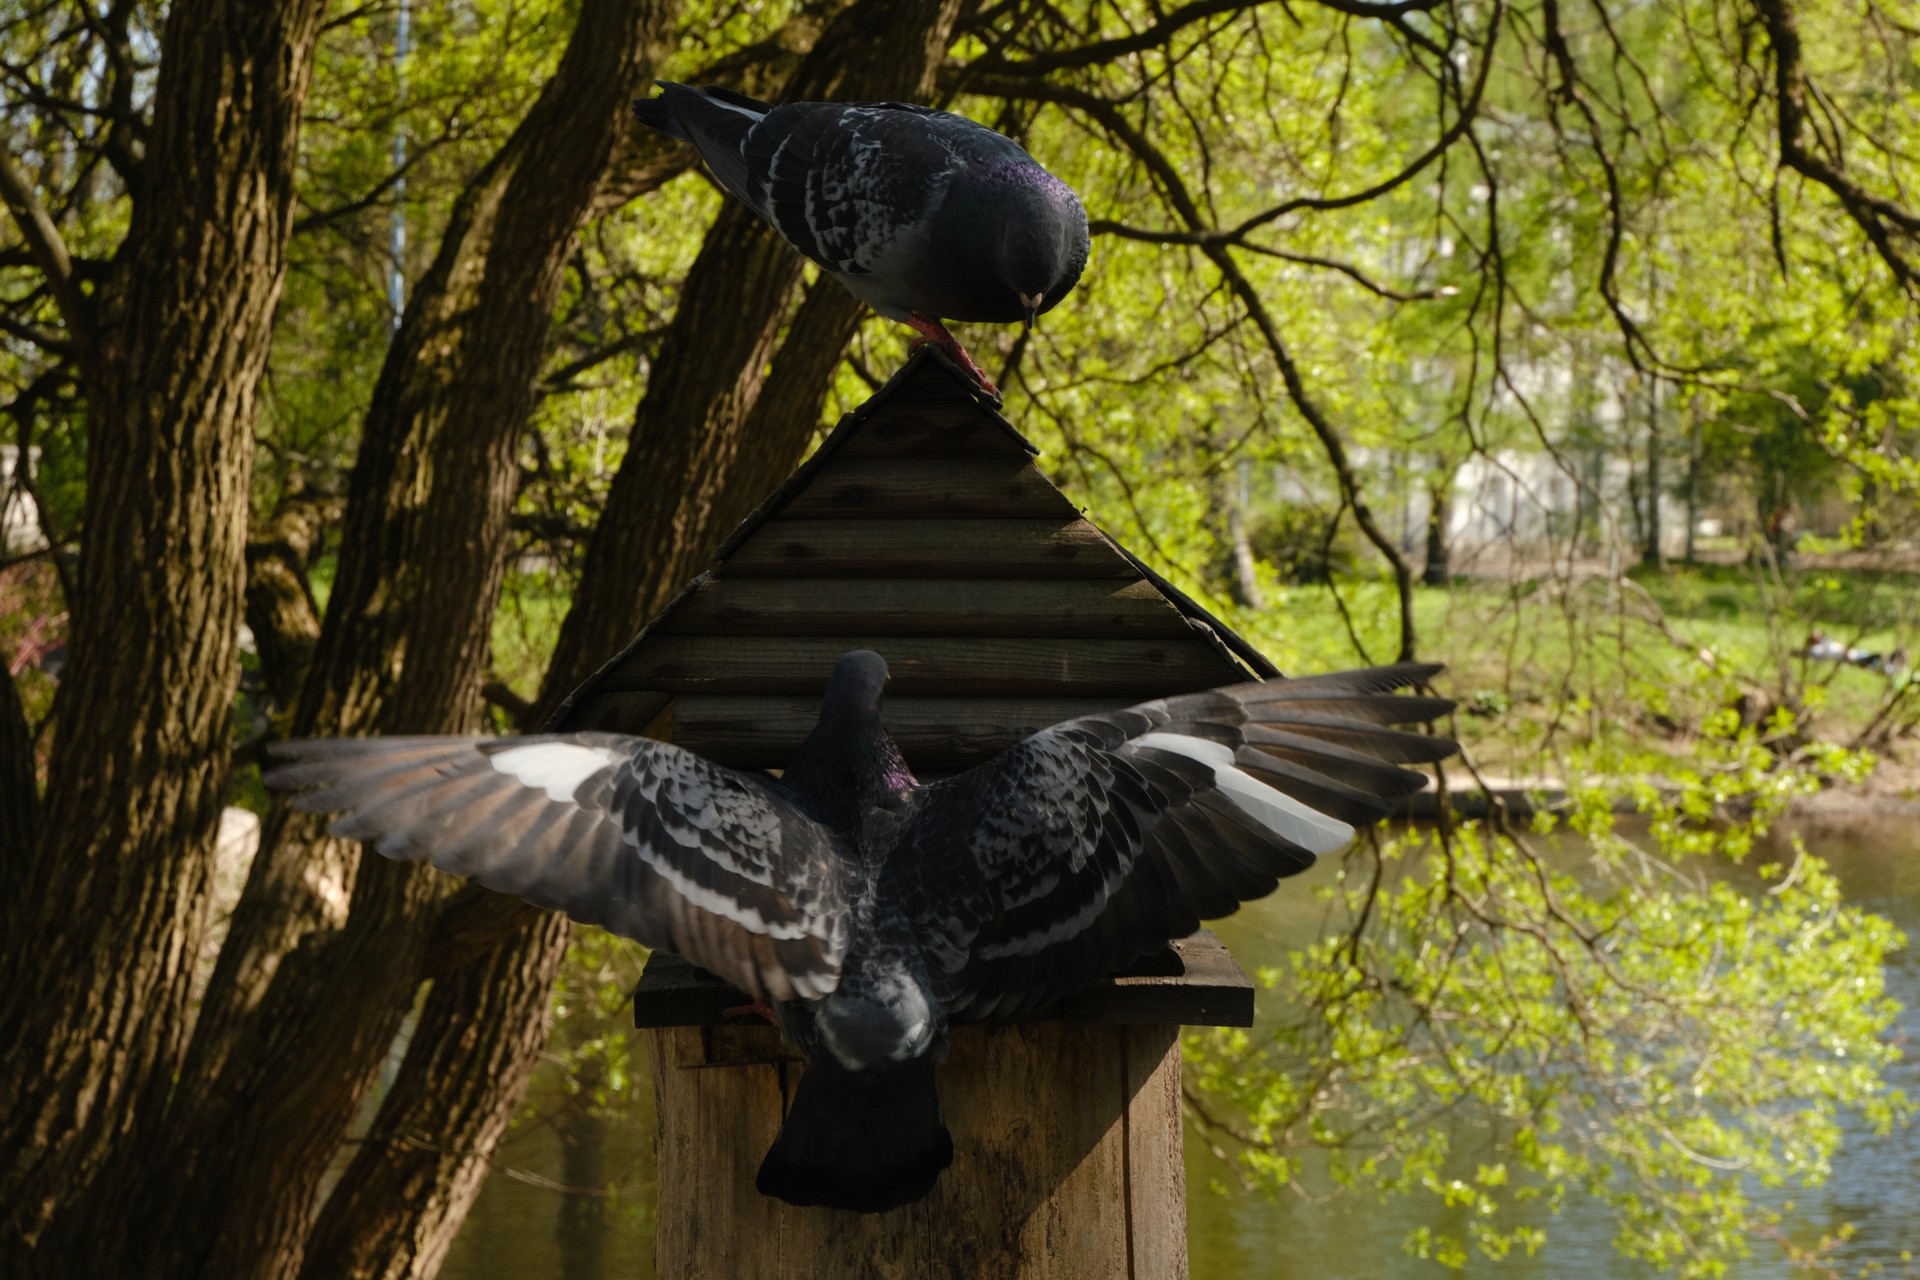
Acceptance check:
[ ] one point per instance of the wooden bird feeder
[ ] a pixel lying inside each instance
(923, 530)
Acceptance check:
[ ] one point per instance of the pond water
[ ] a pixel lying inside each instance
(543, 1212)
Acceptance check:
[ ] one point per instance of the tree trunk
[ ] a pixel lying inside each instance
(1439, 566)
(90, 1046)
(1244, 580)
(19, 795)
(1635, 493)
(783, 420)
(1650, 552)
(407, 1190)
(580, 1227)
(281, 611)
(303, 1006)
(1695, 440)
(693, 452)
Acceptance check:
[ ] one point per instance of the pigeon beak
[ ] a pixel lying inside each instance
(1032, 301)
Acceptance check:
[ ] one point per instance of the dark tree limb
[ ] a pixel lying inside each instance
(281, 610)
(473, 923)
(125, 141)
(392, 1214)
(46, 339)
(48, 248)
(1350, 271)
(1154, 35)
(372, 197)
(19, 791)
(644, 161)
(1892, 230)
(518, 710)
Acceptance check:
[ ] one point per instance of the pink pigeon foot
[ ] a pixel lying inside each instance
(752, 1009)
(932, 332)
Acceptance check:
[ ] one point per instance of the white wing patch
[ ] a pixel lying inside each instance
(557, 768)
(1277, 811)
(718, 903)
(736, 108)
(1059, 931)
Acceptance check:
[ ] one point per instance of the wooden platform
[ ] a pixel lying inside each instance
(1195, 982)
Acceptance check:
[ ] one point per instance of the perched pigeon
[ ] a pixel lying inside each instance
(921, 214)
(872, 911)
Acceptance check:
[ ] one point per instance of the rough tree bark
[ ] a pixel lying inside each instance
(304, 1005)
(173, 350)
(281, 611)
(694, 450)
(394, 1214)
(19, 791)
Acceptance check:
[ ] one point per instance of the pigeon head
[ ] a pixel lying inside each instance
(848, 763)
(1042, 244)
(854, 688)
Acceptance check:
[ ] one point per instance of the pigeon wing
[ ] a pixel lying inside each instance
(641, 837)
(843, 180)
(1090, 843)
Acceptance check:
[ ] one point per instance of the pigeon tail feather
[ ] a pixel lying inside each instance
(656, 114)
(868, 1141)
(717, 126)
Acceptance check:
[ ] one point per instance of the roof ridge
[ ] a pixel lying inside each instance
(849, 423)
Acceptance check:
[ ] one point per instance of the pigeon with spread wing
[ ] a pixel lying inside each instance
(922, 214)
(870, 911)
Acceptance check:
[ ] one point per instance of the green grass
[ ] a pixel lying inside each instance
(1548, 662)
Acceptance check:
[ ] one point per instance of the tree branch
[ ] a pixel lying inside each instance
(1885, 223)
(1353, 273)
(1100, 51)
(1216, 247)
(45, 339)
(48, 249)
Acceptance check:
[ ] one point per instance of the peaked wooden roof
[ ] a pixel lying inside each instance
(921, 529)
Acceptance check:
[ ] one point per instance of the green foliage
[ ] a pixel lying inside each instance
(1302, 543)
(594, 1043)
(1499, 1019)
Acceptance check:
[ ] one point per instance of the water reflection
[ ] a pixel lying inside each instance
(523, 1225)
(572, 1189)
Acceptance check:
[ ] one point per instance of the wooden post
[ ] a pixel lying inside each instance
(1067, 1155)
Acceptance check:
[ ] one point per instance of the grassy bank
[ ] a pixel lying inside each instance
(1542, 664)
